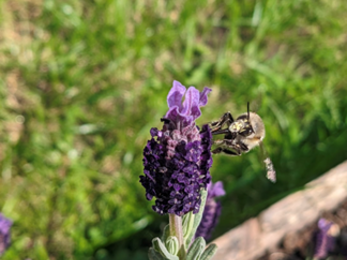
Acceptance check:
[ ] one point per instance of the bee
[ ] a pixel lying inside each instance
(241, 136)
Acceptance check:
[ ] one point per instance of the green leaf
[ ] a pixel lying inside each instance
(197, 219)
(160, 247)
(196, 249)
(188, 224)
(172, 245)
(154, 255)
(166, 233)
(209, 252)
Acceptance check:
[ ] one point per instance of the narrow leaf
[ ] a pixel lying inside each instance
(196, 249)
(188, 224)
(154, 255)
(166, 233)
(197, 219)
(172, 245)
(209, 252)
(160, 247)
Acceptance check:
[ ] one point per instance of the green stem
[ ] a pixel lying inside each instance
(176, 230)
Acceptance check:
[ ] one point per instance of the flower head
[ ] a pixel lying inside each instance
(212, 210)
(177, 159)
(5, 225)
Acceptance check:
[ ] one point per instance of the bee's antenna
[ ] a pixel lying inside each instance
(248, 110)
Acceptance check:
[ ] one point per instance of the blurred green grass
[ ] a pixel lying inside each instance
(82, 82)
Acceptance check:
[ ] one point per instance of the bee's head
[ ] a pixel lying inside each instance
(236, 126)
(242, 126)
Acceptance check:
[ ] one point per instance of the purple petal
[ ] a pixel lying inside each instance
(174, 115)
(189, 110)
(174, 98)
(191, 103)
(149, 196)
(177, 187)
(203, 96)
(324, 241)
(5, 236)
(324, 224)
(216, 190)
(5, 224)
(154, 131)
(189, 189)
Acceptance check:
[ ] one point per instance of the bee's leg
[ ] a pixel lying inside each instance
(230, 118)
(236, 145)
(217, 150)
(227, 118)
(218, 122)
(224, 146)
(219, 142)
(219, 131)
(165, 120)
(168, 122)
(244, 147)
(226, 151)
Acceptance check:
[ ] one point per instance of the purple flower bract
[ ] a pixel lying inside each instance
(177, 159)
(185, 113)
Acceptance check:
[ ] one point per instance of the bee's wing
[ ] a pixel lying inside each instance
(270, 171)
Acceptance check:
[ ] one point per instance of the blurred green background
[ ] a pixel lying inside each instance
(82, 83)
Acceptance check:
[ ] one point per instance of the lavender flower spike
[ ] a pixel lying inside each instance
(212, 210)
(177, 159)
(324, 241)
(5, 225)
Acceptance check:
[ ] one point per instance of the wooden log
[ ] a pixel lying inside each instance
(259, 235)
